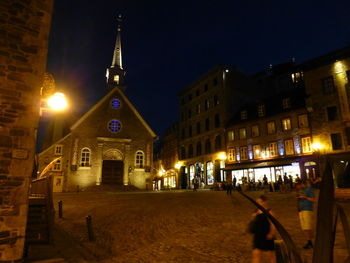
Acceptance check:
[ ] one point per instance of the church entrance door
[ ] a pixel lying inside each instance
(112, 172)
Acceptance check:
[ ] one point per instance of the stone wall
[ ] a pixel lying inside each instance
(24, 30)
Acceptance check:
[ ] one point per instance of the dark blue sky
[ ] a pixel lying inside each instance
(168, 44)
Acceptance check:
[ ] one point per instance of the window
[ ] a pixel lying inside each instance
(217, 120)
(297, 77)
(286, 103)
(242, 133)
(189, 97)
(231, 156)
(257, 151)
(273, 149)
(244, 115)
(139, 159)
(210, 173)
(286, 124)
(85, 157)
(206, 87)
(198, 109)
(218, 143)
(116, 79)
(58, 149)
(199, 148)
(261, 110)
(115, 103)
(306, 145)
(244, 153)
(255, 131)
(190, 151)
(189, 113)
(289, 147)
(216, 100)
(207, 104)
(303, 121)
(57, 166)
(183, 153)
(231, 135)
(332, 113)
(207, 124)
(197, 92)
(328, 85)
(190, 131)
(207, 146)
(198, 127)
(215, 81)
(114, 126)
(183, 134)
(271, 127)
(336, 139)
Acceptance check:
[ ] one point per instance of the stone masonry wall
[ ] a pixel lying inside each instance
(24, 30)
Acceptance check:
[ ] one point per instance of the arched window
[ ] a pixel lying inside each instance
(199, 148)
(139, 159)
(183, 153)
(218, 143)
(207, 146)
(85, 157)
(190, 151)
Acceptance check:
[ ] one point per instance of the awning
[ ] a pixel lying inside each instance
(249, 165)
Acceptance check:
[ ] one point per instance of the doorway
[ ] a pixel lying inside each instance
(112, 172)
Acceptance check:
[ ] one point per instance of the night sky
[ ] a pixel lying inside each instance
(168, 44)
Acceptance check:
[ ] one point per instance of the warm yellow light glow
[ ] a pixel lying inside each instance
(338, 67)
(161, 172)
(222, 156)
(178, 165)
(316, 146)
(57, 102)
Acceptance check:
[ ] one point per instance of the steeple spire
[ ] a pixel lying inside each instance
(115, 73)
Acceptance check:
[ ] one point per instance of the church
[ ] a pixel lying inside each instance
(111, 144)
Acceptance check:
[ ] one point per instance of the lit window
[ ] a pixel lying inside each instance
(115, 104)
(255, 131)
(58, 149)
(257, 151)
(297, 77)
(210, 173)
(286, 124)
(139, 159)
(244, 153)
(116, 79)
(273, 149)
(289, 147)
(271, 127)
(328, 85)
(85, 157)
(114, 126)
(244, 115)
(57, 166)
(231, 135)
(286, 103)
(303, 121)
(231, 156)
(306, 144)
(242, 133)
(261, 110)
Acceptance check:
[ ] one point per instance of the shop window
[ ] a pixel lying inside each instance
(261, 110)
(289, 147)
(244, 153)
(85, 157)
(199, 148)
(286, 103)
(271, 127)
(244, 115)
(242, 133)
(231, 156)
(303, 121)
(273, 149)
(218, 143)
(207, 146)
(328, 85)
(336, 139)
(286, 124)
(57, 166)
(190, 151)
(231, 136)
(210, 173)
(58, 149)
(207, 124)
(332, 113)
(139, 159)
(257, 151)
(255, 131)
(306, 145)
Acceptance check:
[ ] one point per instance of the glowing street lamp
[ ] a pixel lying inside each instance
(222, 156)
(178, 165)
(316, 146)
(57, 102)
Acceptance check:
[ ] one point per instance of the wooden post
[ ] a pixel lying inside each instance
(89, 228)
(60, 209)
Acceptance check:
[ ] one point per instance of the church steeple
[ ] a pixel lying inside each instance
(115, 74)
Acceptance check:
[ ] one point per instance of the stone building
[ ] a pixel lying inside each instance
(205, 107)
(24, 30)
(111, 144)
(327, 81)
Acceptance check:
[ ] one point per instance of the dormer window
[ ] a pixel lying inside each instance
(244, 115)
(116, 79)
(58, 149)
(286, 103)
(297, 77)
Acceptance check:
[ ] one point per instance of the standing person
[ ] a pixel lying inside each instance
(264, 233)
(234, 182)
(229, 186)
(265, 184)
(306, 199)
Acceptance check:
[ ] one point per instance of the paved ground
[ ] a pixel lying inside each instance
(168, 226)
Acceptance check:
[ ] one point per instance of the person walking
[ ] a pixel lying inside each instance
(306, 199)
(264, 234)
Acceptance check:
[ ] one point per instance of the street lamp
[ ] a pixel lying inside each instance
(57, 101)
